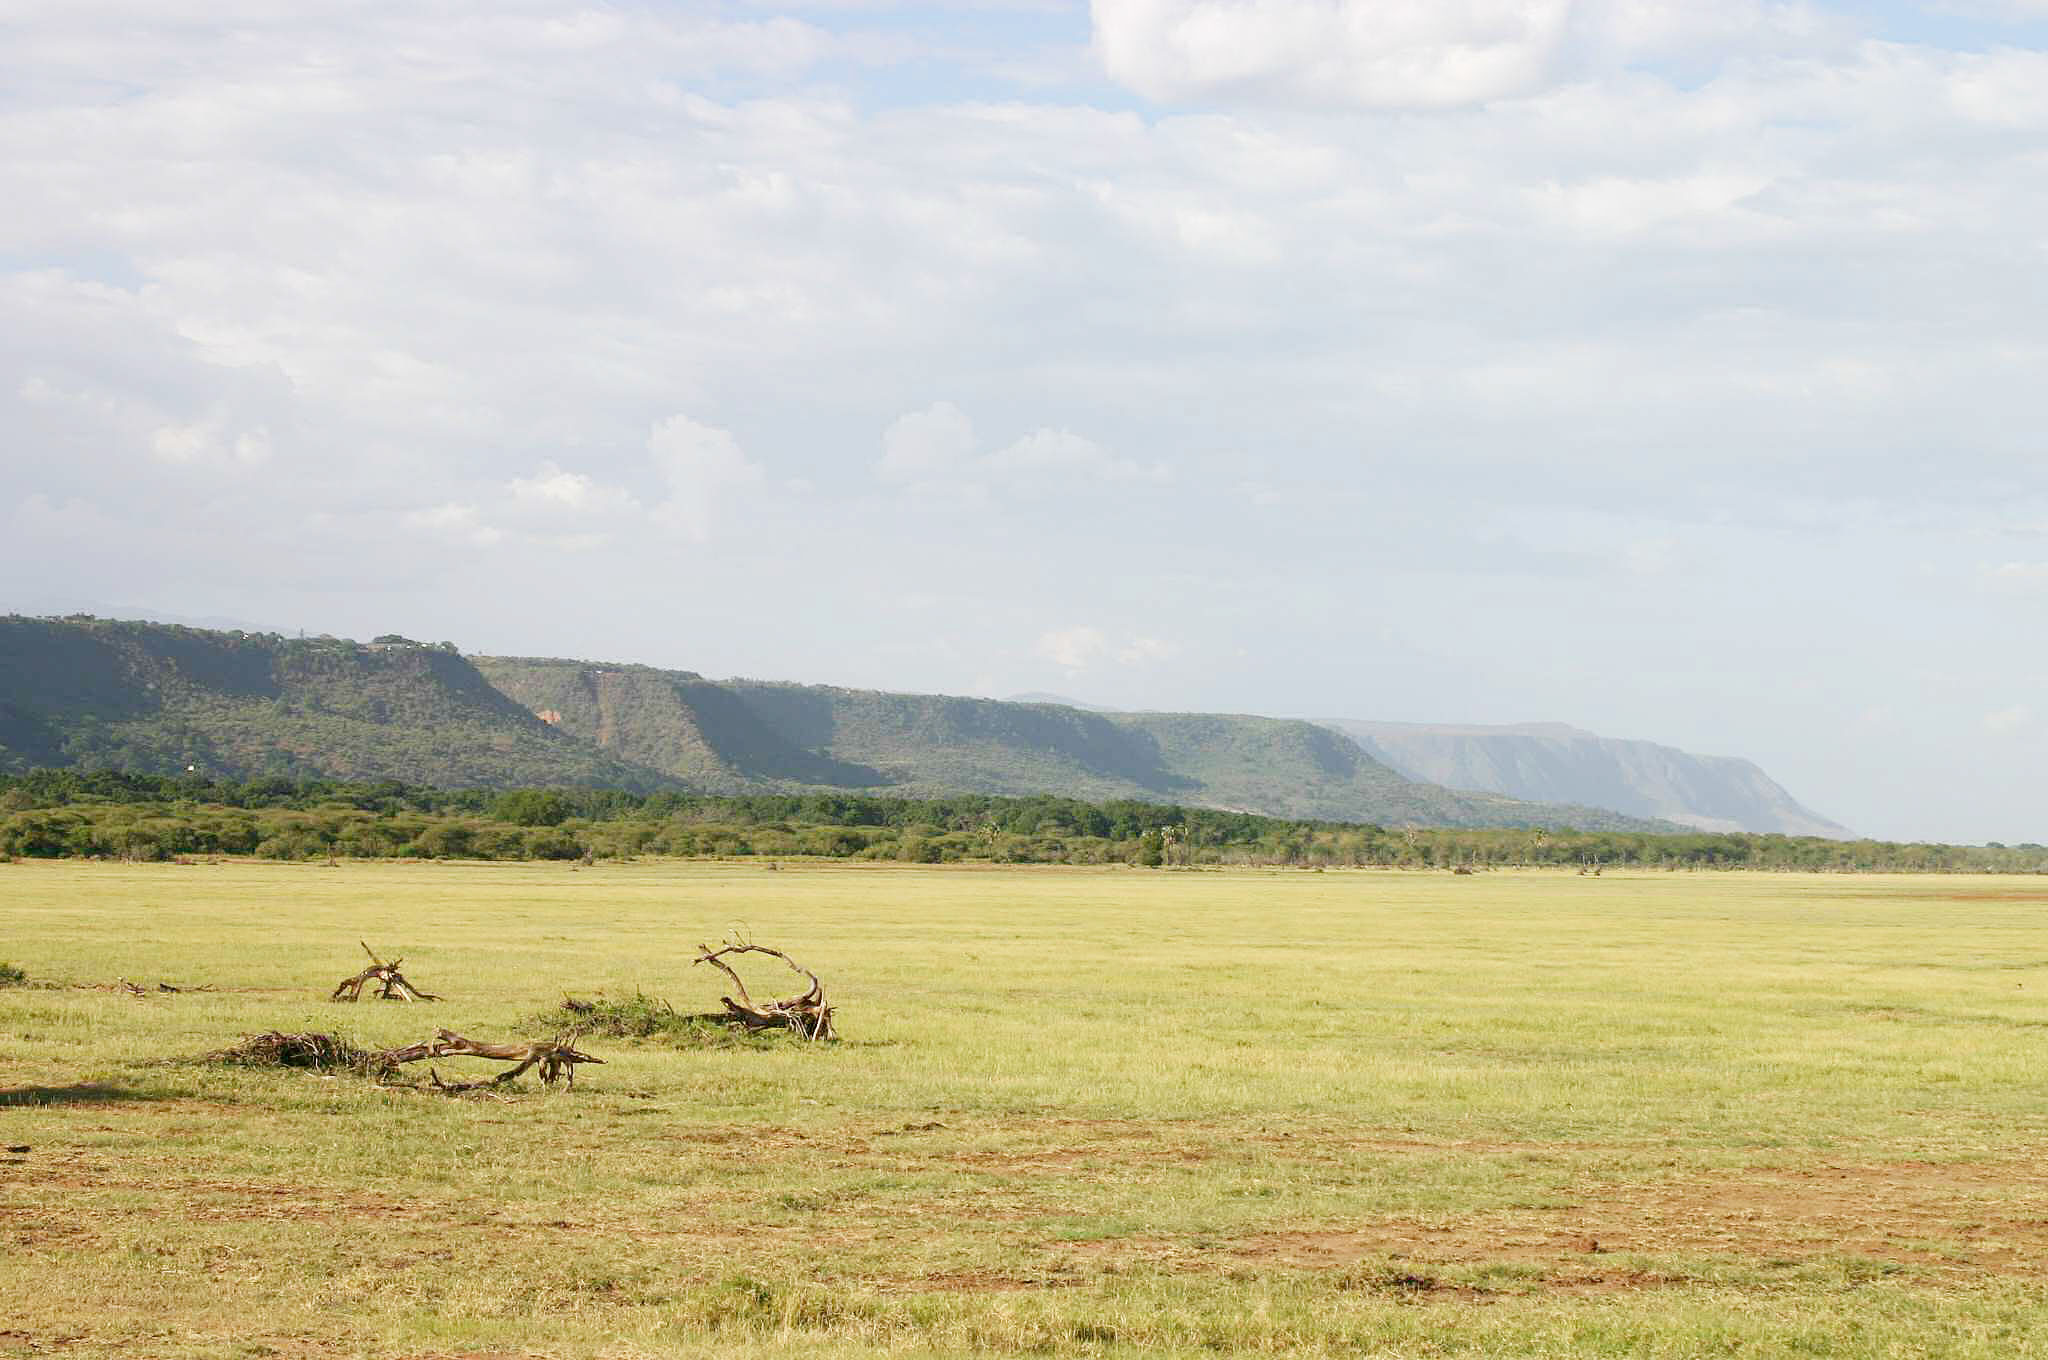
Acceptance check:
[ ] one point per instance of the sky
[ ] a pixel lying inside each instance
(1676, 370)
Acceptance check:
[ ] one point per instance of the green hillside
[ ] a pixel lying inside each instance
(676, 722)
(930, 743)
(739, 734)
(150, 698)
(101, 694)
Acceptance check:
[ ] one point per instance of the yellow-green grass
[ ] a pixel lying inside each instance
(1111, 1112)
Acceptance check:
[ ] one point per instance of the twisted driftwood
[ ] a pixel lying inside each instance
(556, 1058)
(392, 985)
(806, 1015)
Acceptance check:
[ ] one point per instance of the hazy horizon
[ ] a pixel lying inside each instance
(1661, 369)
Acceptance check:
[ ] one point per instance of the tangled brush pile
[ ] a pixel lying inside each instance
(276, 1049)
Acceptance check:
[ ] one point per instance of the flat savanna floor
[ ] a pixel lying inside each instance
(1113, 1112)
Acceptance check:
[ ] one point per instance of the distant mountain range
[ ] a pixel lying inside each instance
(99, 693)
(736, 735)
(1556, 763)
(1041, 697)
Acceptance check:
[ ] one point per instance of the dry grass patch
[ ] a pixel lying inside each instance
(1660, 1115)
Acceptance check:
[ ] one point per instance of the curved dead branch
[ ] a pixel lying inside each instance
(557, 1058)
(807, 1015)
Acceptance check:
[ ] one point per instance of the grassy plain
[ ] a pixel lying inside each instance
(1109, 1112)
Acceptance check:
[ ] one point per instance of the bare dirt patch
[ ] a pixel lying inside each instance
(978, 1282)
(51, 1202)
(1961, 1218)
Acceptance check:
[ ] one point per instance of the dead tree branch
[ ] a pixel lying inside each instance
(556, 1058)
(391, 984)
(807, 1015)
(161, 989)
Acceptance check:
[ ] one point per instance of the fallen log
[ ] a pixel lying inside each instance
(391, 984)
(807, 1015)
(556, 1058)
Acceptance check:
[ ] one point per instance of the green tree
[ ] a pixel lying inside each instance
(551, 843)
(531, 807)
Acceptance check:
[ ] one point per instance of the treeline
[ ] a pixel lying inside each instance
(70, 813)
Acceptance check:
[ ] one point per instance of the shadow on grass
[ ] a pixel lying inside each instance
(80, 1093)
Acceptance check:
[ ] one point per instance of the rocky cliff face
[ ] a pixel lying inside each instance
(1555, 763)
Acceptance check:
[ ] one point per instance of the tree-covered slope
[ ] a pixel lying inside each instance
(739, 734)
(97, 694)
(1288, 768)
(672, 721)
(102, 694)
(932, 743)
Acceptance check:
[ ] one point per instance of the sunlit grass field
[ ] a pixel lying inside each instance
(1111, 1112)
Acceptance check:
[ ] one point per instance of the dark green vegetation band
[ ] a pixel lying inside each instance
(60, 813)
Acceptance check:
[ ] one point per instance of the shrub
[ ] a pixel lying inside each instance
(499, 842)
(364, 840)
(37, 834)
(552, 843)
(531, 807)
(293, 843)
(446, 840)
(143, 843)
(10, 976)
(649, 1017)
(837, 842)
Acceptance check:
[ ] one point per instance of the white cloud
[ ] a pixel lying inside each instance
(531, 512)
(455, 522)
(180, 443)
(1421, 54)
(704, 473)
(554, 489)
(210, 440)
(931, 454)
(1997, 9)
(1144, 650)
(1081, 647)
(252, 446)
(1360, 53)
(1633, 30)
(2009, 720)
(927, 445)
(48, 521)
(1074, 649)
(1704, 274)
(2019, 577)
(1619, 206)
(104, 372)
(1651, 556)
(1054, 458)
